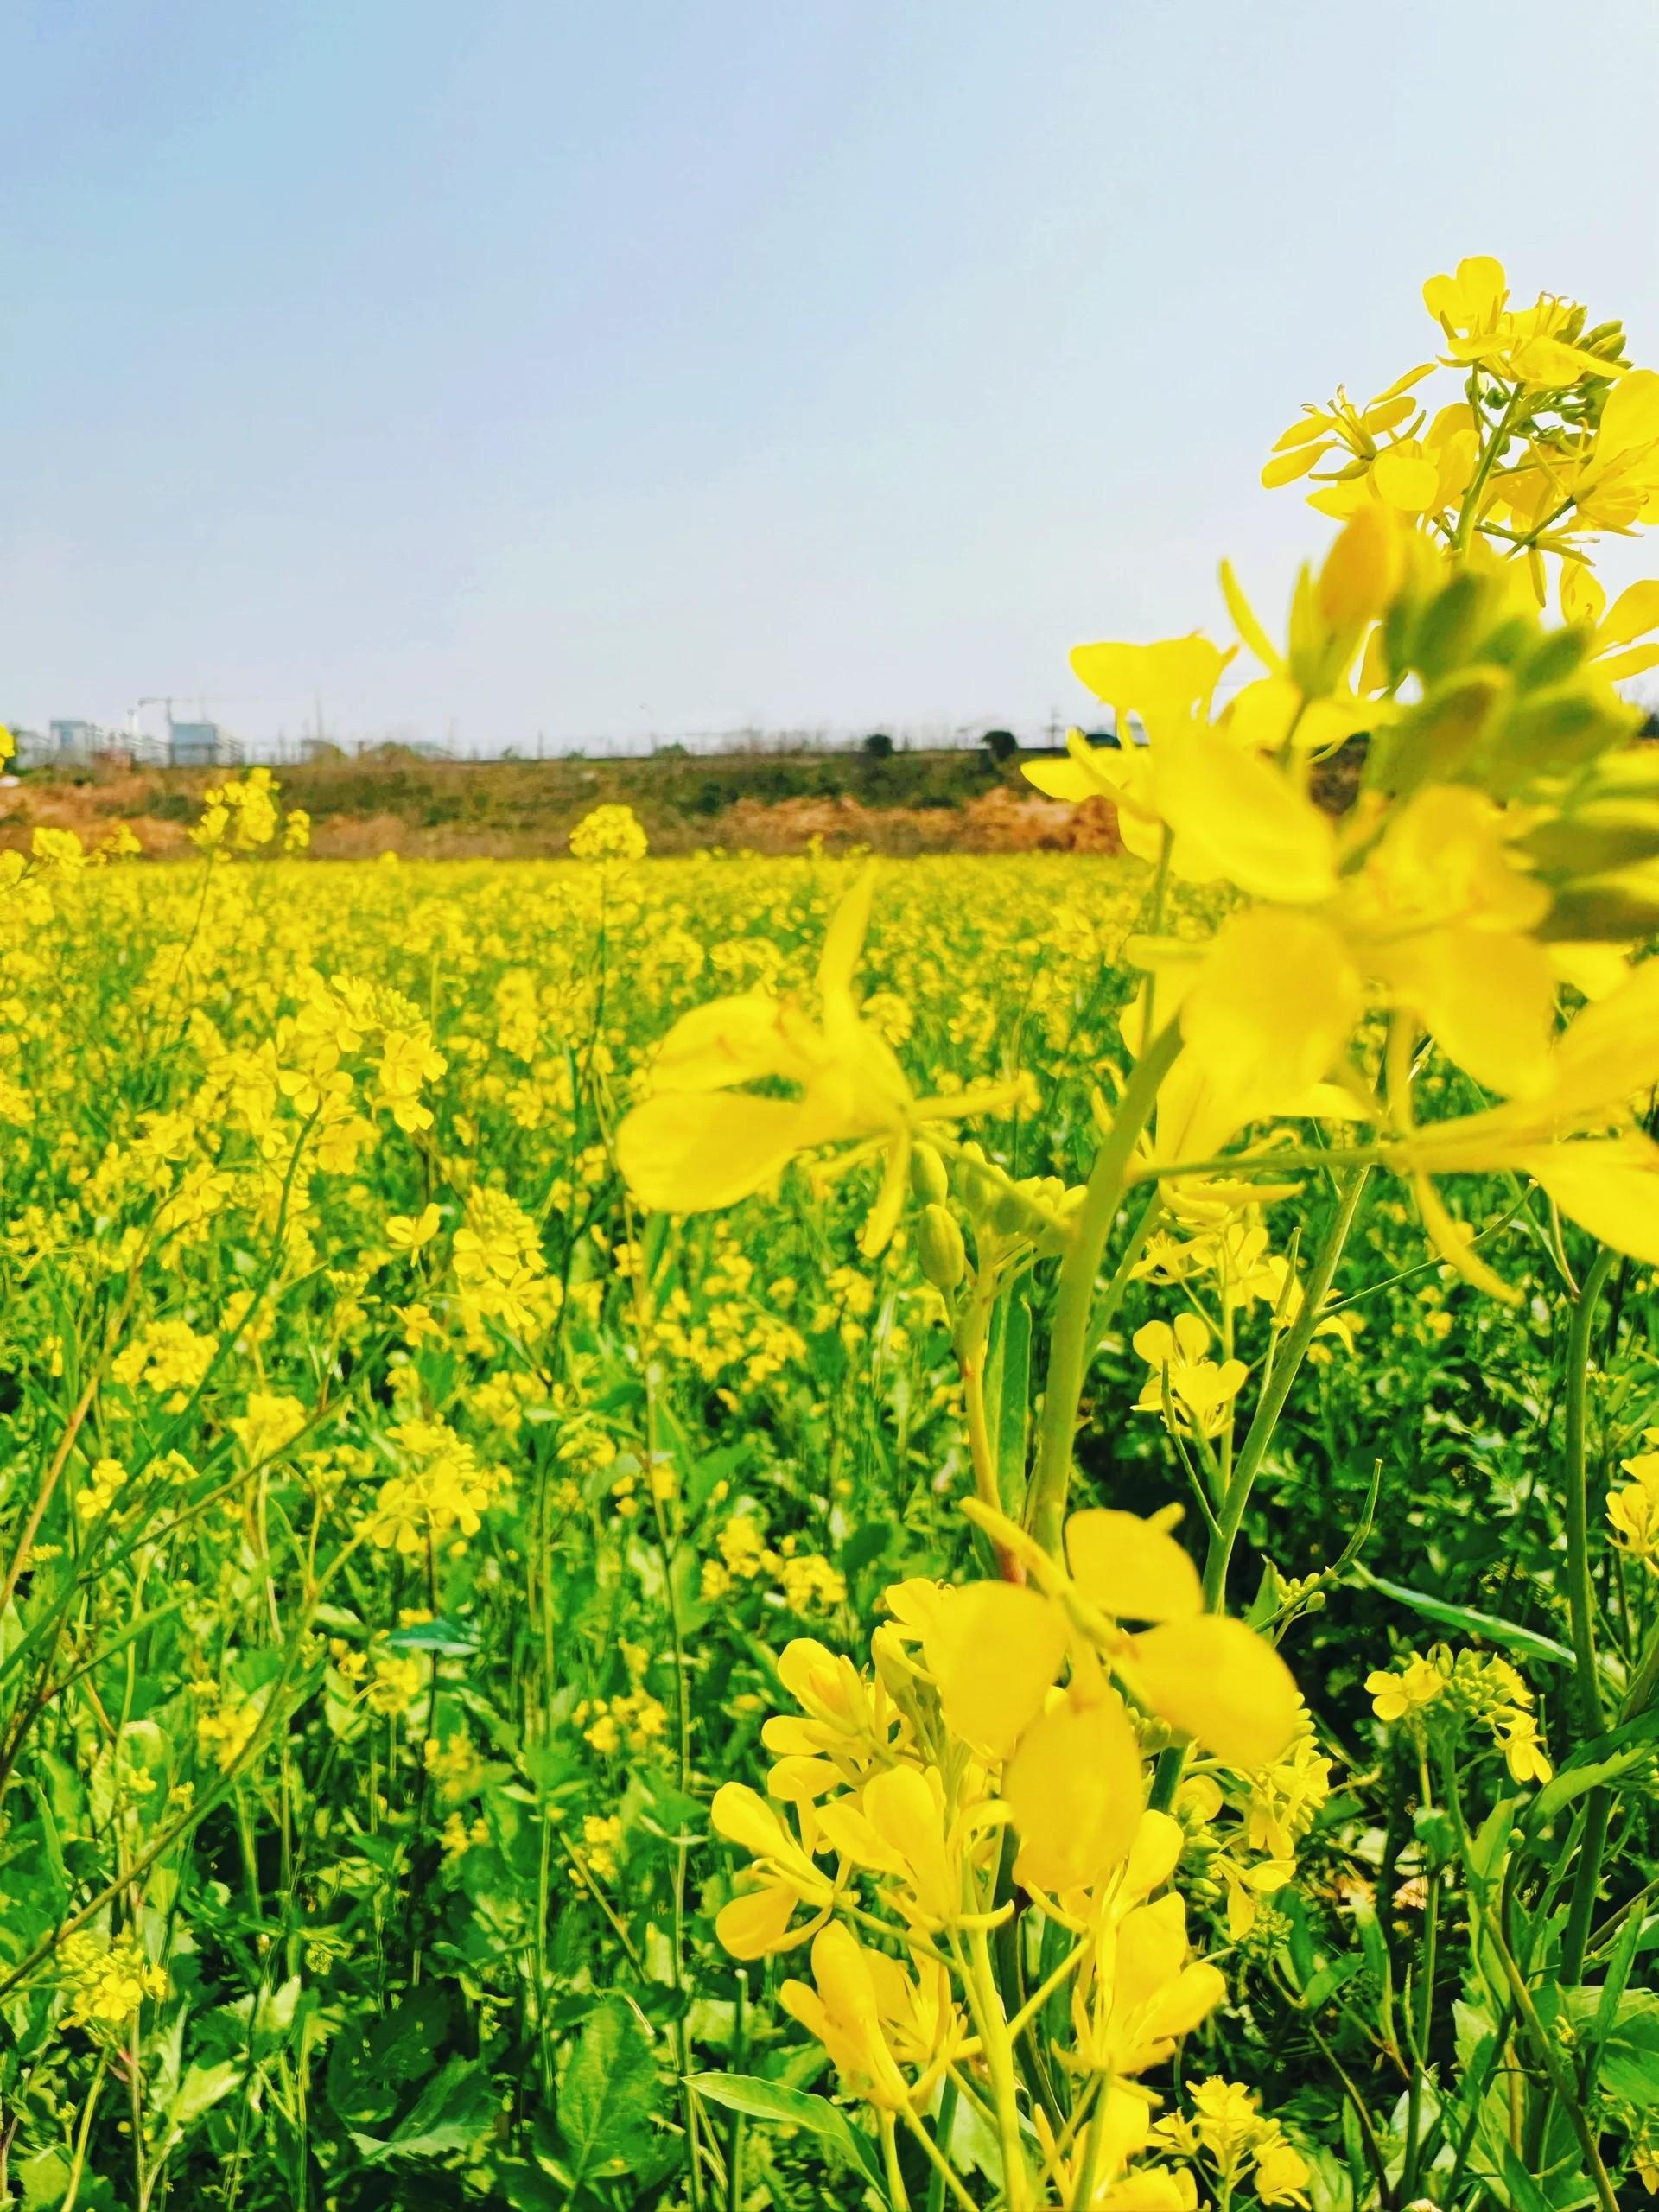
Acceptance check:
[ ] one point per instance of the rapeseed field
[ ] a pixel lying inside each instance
(973, 1533)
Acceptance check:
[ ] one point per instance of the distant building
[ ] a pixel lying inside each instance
(33, 748)
(201, 745)
(70, 740)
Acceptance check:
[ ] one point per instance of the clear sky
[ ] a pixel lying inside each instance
(612, 369)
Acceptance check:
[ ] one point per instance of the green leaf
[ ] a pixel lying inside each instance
(44, 2177)
(1525, 2193)
(442, 1637)
(608, 2092)
(1629, 2042)
(748, 2093)
(200, 2090)
(1603, 1760)
(1466, 1619)
(451, 2112)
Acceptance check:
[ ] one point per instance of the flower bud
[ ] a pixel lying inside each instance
(939, 1243)
(928, 1180)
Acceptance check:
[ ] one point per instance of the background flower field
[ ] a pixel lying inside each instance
(402, 1540)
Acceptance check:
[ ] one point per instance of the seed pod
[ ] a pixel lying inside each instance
(927, 1176)
(939, 1243)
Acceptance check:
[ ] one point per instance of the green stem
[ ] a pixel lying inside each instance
(943, 2172)
(1223, 1531)
(1470, 510)
(1559, 2077)
(1424, 2023)
(972, 1339)
(1580, 1600)
(1070, 1346)
(1271, 1404)
(1580, 1597)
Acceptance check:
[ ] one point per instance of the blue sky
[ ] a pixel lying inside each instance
(647, 368)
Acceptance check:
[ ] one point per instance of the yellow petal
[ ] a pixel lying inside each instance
(728, 1041)
(1490, 998)
(1260, 715)
(996, 1650)
(1076, 1792)
(1245, 622)
(844, 939)
(1583, 599)
(1302, 432)
(1636, 660)
(1129, 1568)
(905, 1814)
(743, 1816)
(1363, 570)
(1164, 683)
(1406, 481)
(1067, 779)
(1218, 1680)
(1271, 1009)
(1630, 419)
(1610, 1053)
(756, 1924)
(1610, 1188)
(1286, 467)
(1246, 817)
(1155, 1853)
(686, 1153)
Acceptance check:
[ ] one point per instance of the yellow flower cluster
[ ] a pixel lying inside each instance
(1633, 1508)
(1224, 2136)
(107, 1980)
(991, 1707)
(609, 833)
(634, 1721)
(1477, 1687)
(441, 1493)
(1579, 447)
(245, 814)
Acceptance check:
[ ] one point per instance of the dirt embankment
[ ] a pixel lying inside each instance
(524, 809)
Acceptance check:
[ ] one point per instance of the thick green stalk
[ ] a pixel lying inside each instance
(1070, 1346)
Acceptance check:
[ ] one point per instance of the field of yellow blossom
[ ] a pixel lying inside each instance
(983, 1532)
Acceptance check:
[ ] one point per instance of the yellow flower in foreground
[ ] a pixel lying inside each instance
(699, 1142)
(1072, 1776)
(857, 1993)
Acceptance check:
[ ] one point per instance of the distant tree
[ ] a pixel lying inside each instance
(673, 751)
(1649, 726)
(878, 746)
(1000, 744)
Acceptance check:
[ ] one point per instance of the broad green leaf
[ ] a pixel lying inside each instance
(454, 2111)
(609, 2091)
(44, 2179)
(200, 2090)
